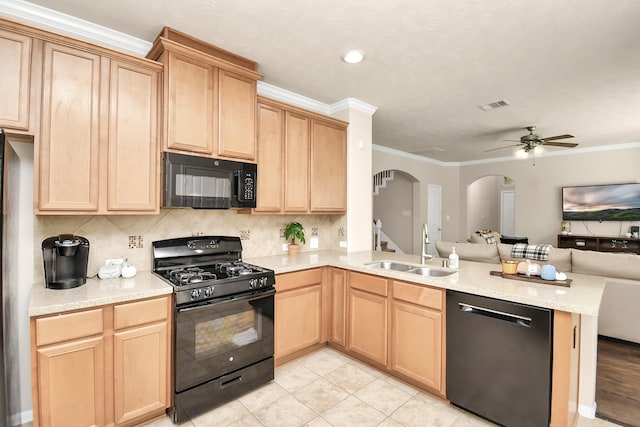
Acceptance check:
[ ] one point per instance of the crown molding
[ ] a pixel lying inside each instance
(274, 92)
(49, 19)
(599, 148)
(354, 103)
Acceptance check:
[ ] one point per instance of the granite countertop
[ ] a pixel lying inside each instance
(94, 293)
(582, 297)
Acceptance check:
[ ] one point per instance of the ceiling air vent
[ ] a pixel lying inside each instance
(494, 105)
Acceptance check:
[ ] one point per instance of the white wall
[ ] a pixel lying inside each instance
(483, 206)
(538, 183)
(394, 206)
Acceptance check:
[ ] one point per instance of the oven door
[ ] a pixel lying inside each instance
(219, 337)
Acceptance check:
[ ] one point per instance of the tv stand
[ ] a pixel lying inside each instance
(600, 243)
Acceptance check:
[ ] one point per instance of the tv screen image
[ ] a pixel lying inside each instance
(612, 202)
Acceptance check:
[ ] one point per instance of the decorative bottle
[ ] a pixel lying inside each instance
(453, 258)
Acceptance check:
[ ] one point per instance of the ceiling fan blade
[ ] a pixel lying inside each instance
(551, 138)
(512, 140)
(560, 144)
(501, 148)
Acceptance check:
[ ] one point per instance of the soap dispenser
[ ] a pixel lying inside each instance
(454, 258)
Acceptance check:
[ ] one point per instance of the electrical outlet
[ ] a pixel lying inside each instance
(314, 231)
(135, 242)
(245, 234)
(313, 243)
(285, 247)
(343, 244)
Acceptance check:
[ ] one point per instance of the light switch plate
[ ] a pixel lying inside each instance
(343, 244)
(285, 247)
(313, 243)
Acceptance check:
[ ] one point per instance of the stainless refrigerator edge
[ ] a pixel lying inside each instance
(3, 393)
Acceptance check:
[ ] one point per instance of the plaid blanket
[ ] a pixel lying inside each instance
(537, 252)
(489, 237)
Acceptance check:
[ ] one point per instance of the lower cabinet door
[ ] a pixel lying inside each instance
(140, 371)
(298, 319)
(71, 384)
(368, 325)
(416, 349)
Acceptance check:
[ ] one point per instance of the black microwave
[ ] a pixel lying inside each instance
(207, 183)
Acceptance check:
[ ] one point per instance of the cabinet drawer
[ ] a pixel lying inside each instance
(298, 279)
(366, 282)
(70, 326)
(139, 313)
(420, 295)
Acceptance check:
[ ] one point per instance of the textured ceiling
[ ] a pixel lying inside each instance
(570, 66)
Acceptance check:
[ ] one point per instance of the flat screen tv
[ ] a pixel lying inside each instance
(613, 202)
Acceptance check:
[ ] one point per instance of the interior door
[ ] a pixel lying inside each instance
(507, 213)
(434, 216)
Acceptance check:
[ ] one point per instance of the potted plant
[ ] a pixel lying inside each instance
(294, 231)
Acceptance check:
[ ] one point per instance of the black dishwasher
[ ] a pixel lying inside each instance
(499, 359)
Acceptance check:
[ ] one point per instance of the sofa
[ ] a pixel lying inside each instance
(619, 315)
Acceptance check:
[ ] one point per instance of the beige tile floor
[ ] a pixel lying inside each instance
(327, 388)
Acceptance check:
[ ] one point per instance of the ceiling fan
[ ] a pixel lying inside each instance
(531, 141)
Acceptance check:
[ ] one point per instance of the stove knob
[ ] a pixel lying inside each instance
(263, 281)
(208, 291)
(195, 294)
(253, 283)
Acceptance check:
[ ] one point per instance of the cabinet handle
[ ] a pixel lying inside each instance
(500, 315)
(232, 381)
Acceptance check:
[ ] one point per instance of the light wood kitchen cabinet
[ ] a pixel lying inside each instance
(566, 366)
(270, 153)
(141, 359)
(296, 162)
(190, 104)
(104, 366)
(237, 119)
(68, 352)
(338, 280)
(133, 161)
(15, 51)
(302, 157)
(98, 151)
(298, 312)
(68, 153)
(328, 173)
(416, 349)
(210, 98)
(368, 316)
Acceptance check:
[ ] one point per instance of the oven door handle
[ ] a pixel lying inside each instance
(249, 297)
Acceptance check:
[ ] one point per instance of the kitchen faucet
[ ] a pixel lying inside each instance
(425, 241)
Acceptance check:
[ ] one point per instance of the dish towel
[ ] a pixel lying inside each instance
(537, 252)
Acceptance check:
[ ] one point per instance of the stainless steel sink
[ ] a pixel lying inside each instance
(426, 271)
(390, 265)
(410, 268)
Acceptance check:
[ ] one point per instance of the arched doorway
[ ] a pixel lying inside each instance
(491, 205)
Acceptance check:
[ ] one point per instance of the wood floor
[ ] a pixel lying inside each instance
(618, 381)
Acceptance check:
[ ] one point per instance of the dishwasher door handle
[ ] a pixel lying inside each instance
(500, 315)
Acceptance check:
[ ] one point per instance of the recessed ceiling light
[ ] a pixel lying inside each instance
(353, 56)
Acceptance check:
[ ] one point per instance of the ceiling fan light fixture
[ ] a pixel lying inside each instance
(353, 56)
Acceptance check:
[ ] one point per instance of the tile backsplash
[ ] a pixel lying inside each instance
(130, 236)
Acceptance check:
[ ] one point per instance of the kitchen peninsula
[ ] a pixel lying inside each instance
(344, 300)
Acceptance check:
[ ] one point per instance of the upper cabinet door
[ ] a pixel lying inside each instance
(191, 119)
(15, 51)
(328, 167)
(133, 171)
(68, 150)
(270, 146)
(237, 120)
(296, 162)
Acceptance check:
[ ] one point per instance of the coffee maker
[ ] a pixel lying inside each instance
(65, 261)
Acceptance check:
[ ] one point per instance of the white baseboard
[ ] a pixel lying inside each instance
(587, 411)
(21, 418)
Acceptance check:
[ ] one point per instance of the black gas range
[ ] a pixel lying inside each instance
(207, 267)
(223, 334)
